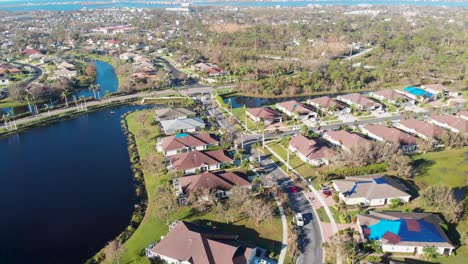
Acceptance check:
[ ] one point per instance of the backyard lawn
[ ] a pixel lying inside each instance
(448, 166)
(267, 235)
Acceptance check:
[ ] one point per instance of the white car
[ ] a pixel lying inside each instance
(299, 219)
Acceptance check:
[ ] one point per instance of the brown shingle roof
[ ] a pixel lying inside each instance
(425, 128)
(294, 106)
(360, 100)
(186, 140)
(212, 180)
(391, 134)
(436, 87)
(196, 159)
(199, 244)
(311, 148)
(452, 121)
(265, 113)
(349, 140)
(390, 95)
(324, 101)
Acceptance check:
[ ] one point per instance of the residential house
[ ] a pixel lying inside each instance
(173, 113)
(344, 139)
(66, 65)
(127, 56)
(265, 114)
(401, 232)
(326, 104)
(4, 81)
(450, 122)
(359, 101)
(220, 183)
(29, 51)
(144, 67)
(193, 161)
(173, 126)
(379, 132)
(375, 190)
(422, 129)
(295, 109)
(112, 43)
(65, 73)
(463, 114)
(180, 143)
(436, 89)
(188, 243)
(390, 96)
(210, 69)
(312, 151)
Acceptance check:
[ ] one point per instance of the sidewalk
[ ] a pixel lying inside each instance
(284, 222)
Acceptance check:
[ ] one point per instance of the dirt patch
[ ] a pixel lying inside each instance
(229, 28)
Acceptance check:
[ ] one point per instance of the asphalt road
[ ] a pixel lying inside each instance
(310, 236)
(37, 73)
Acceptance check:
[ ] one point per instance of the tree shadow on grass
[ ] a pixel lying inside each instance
(248, 235)
(421, 166)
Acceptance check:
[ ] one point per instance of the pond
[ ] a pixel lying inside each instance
(65, 189)
(106, 78)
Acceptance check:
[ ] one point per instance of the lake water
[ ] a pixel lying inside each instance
(106, 78)
(66, 5)
(65, 189)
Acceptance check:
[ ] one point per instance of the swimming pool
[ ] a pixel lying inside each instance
(418, 91)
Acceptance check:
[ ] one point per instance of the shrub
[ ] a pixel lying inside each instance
(354, 171)
(395, 202)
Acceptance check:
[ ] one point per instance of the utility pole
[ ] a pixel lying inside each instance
(242, 141)
(287, 162)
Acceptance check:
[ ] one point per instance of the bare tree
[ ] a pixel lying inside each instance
(114, 251)
(166, 202)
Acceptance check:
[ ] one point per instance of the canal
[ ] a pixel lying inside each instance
(65, 189)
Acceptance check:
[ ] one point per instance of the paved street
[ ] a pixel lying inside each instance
(310, 235)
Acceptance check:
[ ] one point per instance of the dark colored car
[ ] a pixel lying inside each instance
(327, 193)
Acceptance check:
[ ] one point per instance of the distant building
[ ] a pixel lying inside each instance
(326, 104)
(295, 110)
(379, 132)
(210, 69)
(450, 122)
(375, 190)
(182, 125)
(360, 101)
(421, 129)
(190, 243)
(344, 139)
(390, 96)
(185, 142)
(265, 114)
(172, 113)
(409, 233)
(190, 162)
(311, 151)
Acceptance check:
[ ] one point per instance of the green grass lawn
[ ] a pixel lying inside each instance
(7, 102)
(240, 114)
(295, 162)
(448, 166)
(267, 235)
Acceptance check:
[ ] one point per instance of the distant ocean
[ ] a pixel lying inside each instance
(66, 5)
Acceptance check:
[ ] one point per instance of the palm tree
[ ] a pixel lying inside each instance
(46, 107)
(93, 88)
(107, 95)
(64, 95)
(98, 89)
(75, 99)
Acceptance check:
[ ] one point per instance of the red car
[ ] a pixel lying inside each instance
(327, 193)
(293, 189)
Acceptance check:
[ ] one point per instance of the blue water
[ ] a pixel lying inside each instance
(67, 5)
(418, 91)
(105, 77)
(65, 189)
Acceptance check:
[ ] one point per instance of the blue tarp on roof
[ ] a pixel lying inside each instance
(380, 180)
(427, 231)
(182, 135)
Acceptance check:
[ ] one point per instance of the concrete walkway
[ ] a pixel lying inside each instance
(284, 222)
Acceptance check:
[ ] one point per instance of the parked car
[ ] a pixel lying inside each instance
(327, 193)
(293, 189)
(299, 219)
(325, 188)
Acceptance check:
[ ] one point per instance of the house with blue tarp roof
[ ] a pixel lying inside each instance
(405, 232)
